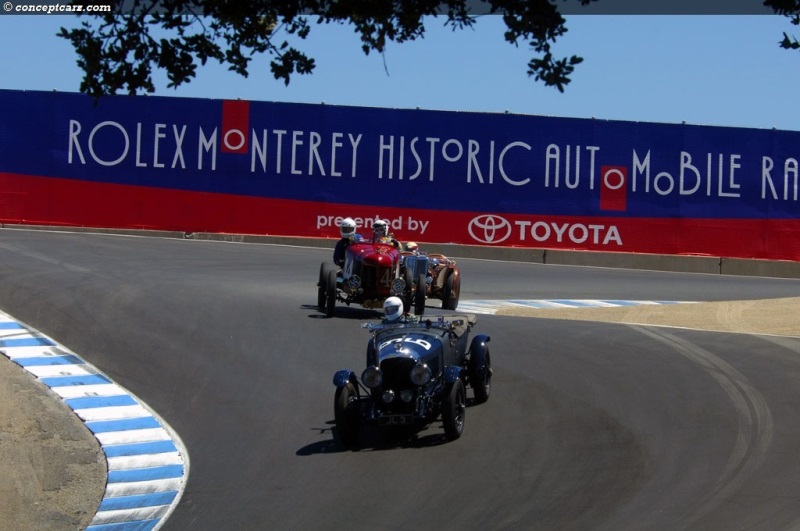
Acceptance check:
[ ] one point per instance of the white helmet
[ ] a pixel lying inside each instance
(380, 228)
(392, 308)
(412, 246)
(347, 228)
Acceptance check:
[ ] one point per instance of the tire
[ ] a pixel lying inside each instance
(454, 410)
(408, 276)
(419, 295)
(481, 380)
(345, 411)
(321, 285)
(330, 294)
(450, 295)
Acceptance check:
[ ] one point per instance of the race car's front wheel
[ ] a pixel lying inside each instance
(408, 276)
(345, 409)
(480, 375)
(419, 295)
(454, 410)
(324, 268)
(330, 294)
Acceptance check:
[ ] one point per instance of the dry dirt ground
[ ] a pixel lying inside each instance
(772, 317)
(53, 471)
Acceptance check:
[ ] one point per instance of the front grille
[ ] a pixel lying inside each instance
(376, 280)
(396, 373)
(368, 276)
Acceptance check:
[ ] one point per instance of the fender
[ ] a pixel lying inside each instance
(452, 373)
(477, 353)
(455, 273)
(341, 378)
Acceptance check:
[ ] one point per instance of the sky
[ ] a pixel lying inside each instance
(722, 70)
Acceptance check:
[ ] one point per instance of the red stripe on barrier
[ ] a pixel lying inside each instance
(613, 188)
(235, 126)
(51, 201)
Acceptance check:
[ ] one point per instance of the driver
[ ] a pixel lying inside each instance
(347, 228)
(380, 234)
(392, 310)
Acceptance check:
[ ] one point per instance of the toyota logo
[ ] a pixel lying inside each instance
(489, 229)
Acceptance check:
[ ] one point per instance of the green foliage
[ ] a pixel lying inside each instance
(119, 51)
(790, 9)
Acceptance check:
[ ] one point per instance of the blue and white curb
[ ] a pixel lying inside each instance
(491, 307)
(147, 464)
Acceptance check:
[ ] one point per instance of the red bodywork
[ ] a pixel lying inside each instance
(375, 265)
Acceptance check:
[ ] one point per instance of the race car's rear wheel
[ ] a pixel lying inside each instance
(450, 295)
(454, 410)
(330, 293)
(345, 410)
(419, 295)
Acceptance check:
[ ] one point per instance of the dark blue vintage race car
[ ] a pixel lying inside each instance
(416, 371)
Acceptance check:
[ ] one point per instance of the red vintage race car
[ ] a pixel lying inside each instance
(441, 274)
(372, 272)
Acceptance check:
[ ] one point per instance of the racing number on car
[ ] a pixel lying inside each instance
(387, 278)
(421, 342)
(348, 268)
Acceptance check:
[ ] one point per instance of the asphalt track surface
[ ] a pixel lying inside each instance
(590, 426)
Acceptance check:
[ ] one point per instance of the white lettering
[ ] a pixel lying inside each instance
(139, 162)
(178, 146)
(500, 166)
(386, 147)
(124, 154)
(297, 140)
(641, 167)
(226, 139)
(313, 154)
(207, 144)
(575, 233)
(157, 137)
(335, 144)
(74, 131)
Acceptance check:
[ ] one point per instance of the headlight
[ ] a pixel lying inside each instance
(354, 282)
(372, 377)
(388, 396)
(420, 374)
(398, 285)
(406, 395)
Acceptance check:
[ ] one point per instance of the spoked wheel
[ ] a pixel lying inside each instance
(454, 410)
(345, 409)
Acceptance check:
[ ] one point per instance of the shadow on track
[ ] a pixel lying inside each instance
(373, 438)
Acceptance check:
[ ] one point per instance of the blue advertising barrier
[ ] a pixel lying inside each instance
(293, 169)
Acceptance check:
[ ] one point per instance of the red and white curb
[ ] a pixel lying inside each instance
(147, 463)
